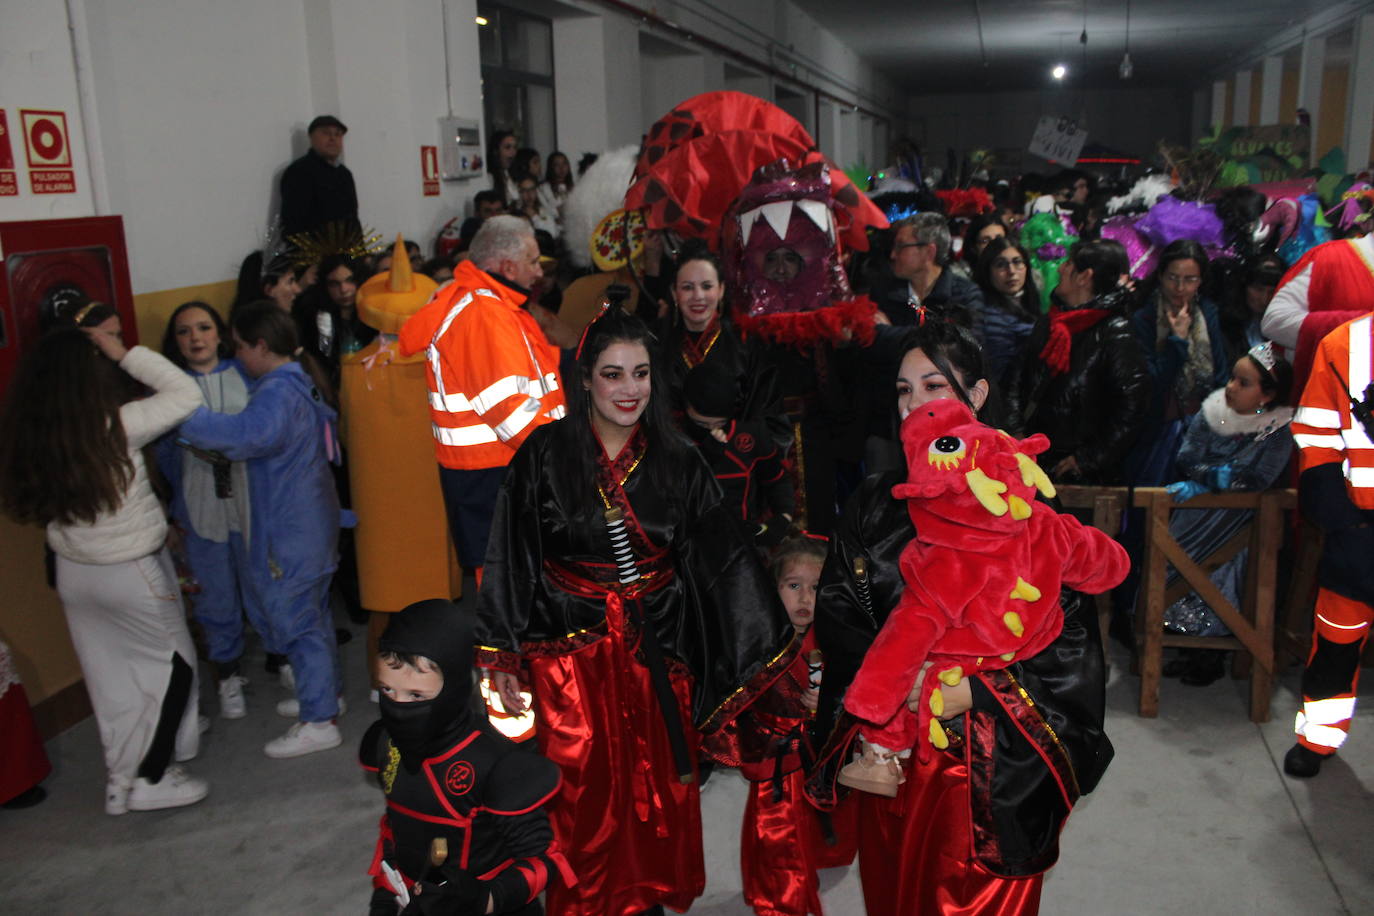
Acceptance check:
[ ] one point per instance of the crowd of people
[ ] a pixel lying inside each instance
(676, 536)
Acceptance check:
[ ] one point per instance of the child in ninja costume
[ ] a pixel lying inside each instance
(784, 839)
(464, 831)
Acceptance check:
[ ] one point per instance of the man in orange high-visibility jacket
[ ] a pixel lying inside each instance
(1337, 493)
(493, 377)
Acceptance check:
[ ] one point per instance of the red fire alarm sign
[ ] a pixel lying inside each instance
(9, 184)
(429, 170)
(48, 150)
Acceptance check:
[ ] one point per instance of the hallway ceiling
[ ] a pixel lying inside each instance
(933, 45)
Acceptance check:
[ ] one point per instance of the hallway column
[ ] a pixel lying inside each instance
(1219, 103)
(1240, 107)
(1310, 85)
(1359, 119)
(1271, 85)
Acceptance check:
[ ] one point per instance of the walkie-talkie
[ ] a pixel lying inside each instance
(1363, 410)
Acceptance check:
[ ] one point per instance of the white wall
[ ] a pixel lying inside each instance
(37, 71)
(201, 104)
(609, 91)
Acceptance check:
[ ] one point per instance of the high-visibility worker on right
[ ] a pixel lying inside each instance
(1334, 431)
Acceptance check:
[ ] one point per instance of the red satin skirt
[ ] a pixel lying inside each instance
(23, 762)
(631, 830)
(782, 846)
(916, 850)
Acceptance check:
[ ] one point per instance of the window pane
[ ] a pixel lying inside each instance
(489, 36)
(527, 44)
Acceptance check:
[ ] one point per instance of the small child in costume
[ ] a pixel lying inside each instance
(742, 455)
(981, 581)
(464, 831)
(784, 839)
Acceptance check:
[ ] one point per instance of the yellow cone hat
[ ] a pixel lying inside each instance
(388, 299)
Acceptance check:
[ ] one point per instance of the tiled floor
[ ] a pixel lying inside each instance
(1194, 816)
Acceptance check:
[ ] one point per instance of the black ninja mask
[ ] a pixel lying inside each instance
(437, 630)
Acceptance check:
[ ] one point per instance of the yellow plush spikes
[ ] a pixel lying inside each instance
(937, 703)
(402, 280)
(1020, 509)
(937, 735)
(1007, 656)
(987, 491)
(1025, 591)
(945, 462)
(1013, 622)
(951, 677)
(1033, 476)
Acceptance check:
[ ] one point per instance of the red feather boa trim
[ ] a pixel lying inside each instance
(827, 325)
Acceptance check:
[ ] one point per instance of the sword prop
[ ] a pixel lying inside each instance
(648, 641)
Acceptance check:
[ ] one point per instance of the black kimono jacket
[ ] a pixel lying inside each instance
(718, 612)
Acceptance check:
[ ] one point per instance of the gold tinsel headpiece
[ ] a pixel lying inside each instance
(338, 237)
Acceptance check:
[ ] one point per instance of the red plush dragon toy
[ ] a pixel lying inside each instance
(981, 580)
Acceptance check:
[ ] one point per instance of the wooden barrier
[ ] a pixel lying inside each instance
(1252, 624)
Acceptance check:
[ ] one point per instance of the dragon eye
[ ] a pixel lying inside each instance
(946, 452)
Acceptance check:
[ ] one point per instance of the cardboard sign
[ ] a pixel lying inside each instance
(429, 170)
(1058, 140)
(48, 150)
(9, 182)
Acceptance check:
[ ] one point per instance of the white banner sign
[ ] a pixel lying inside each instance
(1058, 140)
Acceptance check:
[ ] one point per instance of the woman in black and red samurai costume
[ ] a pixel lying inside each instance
(975, 828)
(643, 639)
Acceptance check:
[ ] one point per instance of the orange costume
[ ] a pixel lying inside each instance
(1337, 489)
(404, 553)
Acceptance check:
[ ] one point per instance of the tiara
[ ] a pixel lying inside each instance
(1264, 355)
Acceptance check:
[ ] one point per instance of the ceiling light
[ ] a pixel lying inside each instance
(1059, 71)
(481, 20)
(1127, 68)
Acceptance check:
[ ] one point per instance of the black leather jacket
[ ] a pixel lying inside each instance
(1095, 410)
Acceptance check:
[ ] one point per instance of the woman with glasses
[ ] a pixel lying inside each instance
(1185, 350)
(1012, 303)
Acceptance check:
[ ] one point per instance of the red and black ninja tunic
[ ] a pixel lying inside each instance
(483, 798)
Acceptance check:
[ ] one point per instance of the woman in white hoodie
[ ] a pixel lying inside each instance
(71, 458)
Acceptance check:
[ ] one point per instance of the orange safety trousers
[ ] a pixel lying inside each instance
(1339, 634)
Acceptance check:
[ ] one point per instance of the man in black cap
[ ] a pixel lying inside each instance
(317, 188)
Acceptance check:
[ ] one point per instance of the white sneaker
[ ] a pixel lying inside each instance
(231, 702)
(175, 789)
(116, 798)
(304, 738)
(286, 677)
(291, 708)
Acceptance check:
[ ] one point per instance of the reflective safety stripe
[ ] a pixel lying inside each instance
(558, 412)
(1329, 712)
(477, 434)
(524, 415)
(1320, 735)
(1360, 477)
(449, 403)
(1305, 440)
(1355, 437)
(512, 385)
(1342, 626)
(1318, 416)
(1359, 378)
